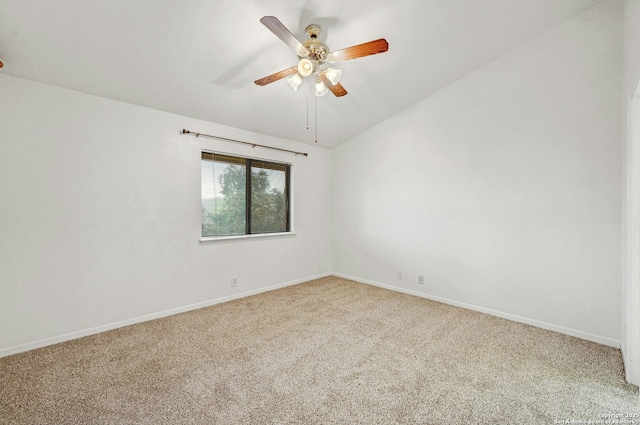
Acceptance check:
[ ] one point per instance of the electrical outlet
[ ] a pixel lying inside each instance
(234, 281)
(400, 275)
(421, 280)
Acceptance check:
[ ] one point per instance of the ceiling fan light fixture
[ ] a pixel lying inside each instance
(313, 55)
(295, 81)
(305, 67)
(333, 75)
(321, 89)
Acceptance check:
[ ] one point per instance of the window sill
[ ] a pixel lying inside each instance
(235, 238)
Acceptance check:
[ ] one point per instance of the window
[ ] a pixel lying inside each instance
(233, 204)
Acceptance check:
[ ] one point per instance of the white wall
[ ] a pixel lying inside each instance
(503, 190)
(631, 70)
(100, 216)
(631, 146)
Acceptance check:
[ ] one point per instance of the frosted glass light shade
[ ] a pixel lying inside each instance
(321, 89)
(333, 75)
(295, 81)
(305, 67)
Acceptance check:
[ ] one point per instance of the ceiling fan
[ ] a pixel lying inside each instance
(313, 57)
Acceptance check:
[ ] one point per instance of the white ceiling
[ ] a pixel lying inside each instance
(199, 58)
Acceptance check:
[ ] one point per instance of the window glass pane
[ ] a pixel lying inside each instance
(227, 194)
(223, 195)
(268, 197)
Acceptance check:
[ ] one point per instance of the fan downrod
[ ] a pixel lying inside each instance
(312, 31)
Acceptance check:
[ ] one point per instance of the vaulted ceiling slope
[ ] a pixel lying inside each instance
(199, 58)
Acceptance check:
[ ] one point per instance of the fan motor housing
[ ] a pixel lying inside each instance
(318, 51)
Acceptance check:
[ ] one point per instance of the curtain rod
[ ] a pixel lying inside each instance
(184, 131)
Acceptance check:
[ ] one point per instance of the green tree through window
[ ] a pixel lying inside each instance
(235, 205)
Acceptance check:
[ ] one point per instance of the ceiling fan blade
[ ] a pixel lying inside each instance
(276, 27)
(336, 89)
(359, 51)
(277, 76)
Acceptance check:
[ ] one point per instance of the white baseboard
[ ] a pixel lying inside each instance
(544, 325)
(103, 328)
(110, 326)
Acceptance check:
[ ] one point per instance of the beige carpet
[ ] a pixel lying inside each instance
(327, 351)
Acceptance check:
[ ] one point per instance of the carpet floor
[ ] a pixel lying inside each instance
(328, 351)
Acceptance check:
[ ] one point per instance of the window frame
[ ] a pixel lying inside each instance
(288, 200)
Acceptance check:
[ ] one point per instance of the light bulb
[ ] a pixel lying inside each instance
(295, 81)
(333, 75)
(321, 89)
(305, 67)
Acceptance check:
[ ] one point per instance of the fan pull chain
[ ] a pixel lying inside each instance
(316, 111)
(307, 109)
